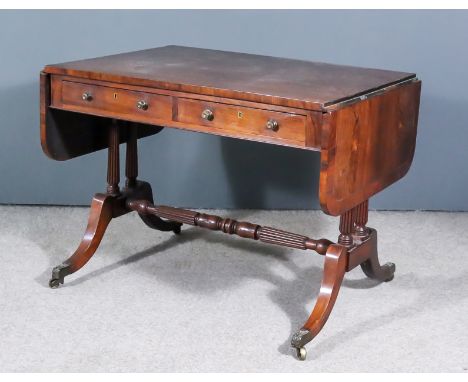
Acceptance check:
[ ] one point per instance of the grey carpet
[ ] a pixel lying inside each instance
(150, 301)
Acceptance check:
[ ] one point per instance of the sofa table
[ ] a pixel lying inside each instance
(363, 122)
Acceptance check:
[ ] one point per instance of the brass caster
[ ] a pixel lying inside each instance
(58, 275)
(301, 353)
(392, 267)
(54, 283)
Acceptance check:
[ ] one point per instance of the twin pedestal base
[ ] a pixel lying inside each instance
(358, 245)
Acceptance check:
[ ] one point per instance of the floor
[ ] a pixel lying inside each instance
(203, 301)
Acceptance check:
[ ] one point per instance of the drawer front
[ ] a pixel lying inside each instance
(262, 124)
(114, 102)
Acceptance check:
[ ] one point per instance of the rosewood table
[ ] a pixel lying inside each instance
(363, 122)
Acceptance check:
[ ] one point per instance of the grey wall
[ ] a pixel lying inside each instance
(190, 169)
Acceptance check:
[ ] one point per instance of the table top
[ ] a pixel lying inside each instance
(263, 79)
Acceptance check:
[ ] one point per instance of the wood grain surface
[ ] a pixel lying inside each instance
(271, 80)
(367, 146)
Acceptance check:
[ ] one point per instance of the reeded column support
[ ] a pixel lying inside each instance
(362, 213)
(353, 223)
(131, 173)
(113, 161)
(347, 228)
(131, 160)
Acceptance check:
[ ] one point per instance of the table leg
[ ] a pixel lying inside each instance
(371, 266)
(99, 218)
(333, 273)
(102, 212)
(105, 207)
(357, 246)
